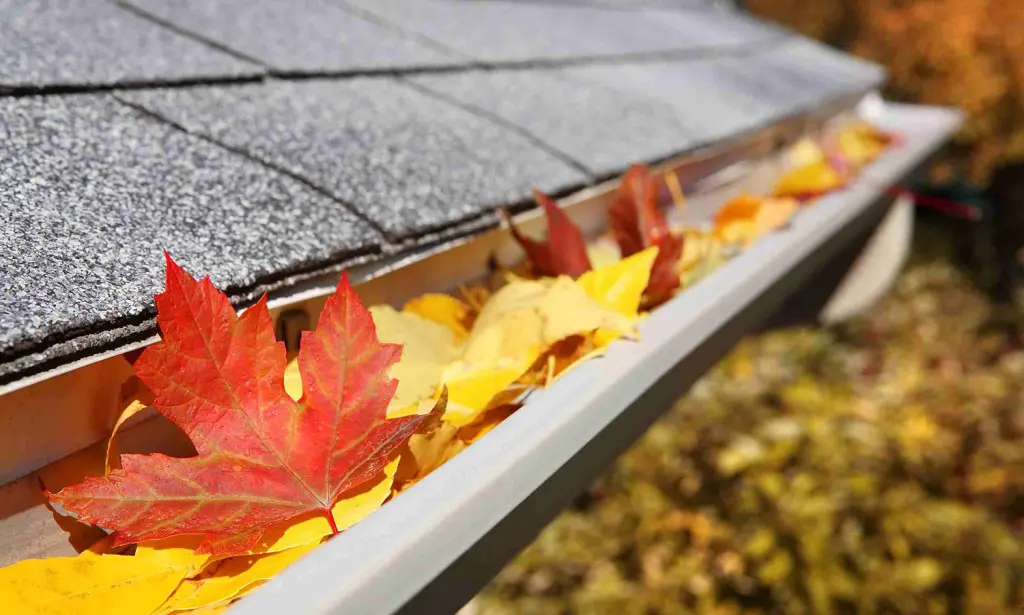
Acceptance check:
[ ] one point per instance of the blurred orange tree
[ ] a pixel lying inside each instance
(964, 53)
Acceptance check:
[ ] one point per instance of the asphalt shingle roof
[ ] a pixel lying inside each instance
(406, 161)
(524, 32)
(601, 127)
(303, 36)
(369, 127)
(93, 192)
(73, 43)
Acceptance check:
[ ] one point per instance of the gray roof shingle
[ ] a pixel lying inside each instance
(92, 191)
(602, 128)
(71, 43)
(407, 161)
(524, 32)
(309, 36)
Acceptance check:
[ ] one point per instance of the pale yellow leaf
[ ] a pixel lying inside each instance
(113, 458)
(293, 379)
(620, 286)
(603, 252)
(427, 347)
(88, 585)
(425, 452)
(746, 218)
(860, 143)
(233, 577)
(444, 310)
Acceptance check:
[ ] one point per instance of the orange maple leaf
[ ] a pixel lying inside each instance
(263, 458)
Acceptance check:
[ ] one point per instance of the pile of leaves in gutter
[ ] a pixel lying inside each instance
(875, 468)
(285, 452)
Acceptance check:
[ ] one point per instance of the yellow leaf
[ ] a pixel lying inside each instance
(472, 387)
(444, 310)
(811, 179)
(293, 379)
(88, 584)
(423, 453)
(602, 253)
(520, 322)
(135, 398)
(113, 458)
(860, 143)
(747, 218)
(699, 246)
(620, 286)
(176, 552)
(427, 347)
(232, 578)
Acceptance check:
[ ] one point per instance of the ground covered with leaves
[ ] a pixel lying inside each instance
(877, 467)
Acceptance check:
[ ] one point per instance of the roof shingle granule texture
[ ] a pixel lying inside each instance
(407, 161)
(92, 192)
(304, 36)
(77, 43)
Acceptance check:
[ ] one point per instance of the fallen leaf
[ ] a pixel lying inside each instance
(262, 457)
(565, 250)
(858, 143)
(427, 347)
(232, 578)
(637, 224)
(527, 316)
(633, 215)
(175, 552)
(445, 310)
(89, 584)
(603, 252)
(133, 408)
(703, 252)
(809, 180)
(620, 286)
(293, 379)
(746, 218)
(520, 322)
(424, 453)
(351, 508)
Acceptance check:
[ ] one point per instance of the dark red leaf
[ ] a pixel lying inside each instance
(565, 250)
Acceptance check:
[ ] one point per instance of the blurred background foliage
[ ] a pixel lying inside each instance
(964, 53)
(873, 468)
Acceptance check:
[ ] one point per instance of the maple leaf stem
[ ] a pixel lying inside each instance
(330, 519)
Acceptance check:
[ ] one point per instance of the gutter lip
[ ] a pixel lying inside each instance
(477, 510)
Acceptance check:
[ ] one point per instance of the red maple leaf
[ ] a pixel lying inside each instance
(263, 457)
(637, 224)
(564, 252)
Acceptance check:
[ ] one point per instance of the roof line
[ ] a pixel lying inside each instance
(499, 121)
(199, 38)
(248, 156)
(423, 39)
(739, 51)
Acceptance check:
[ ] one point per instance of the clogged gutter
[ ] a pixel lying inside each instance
(465, 365)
